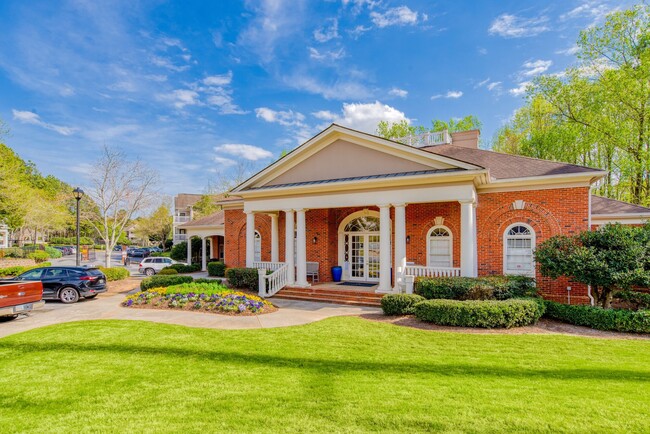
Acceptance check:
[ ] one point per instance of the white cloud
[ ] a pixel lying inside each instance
(218, 80)
(489, 85)
(359, 30)
(338, 90)
(224, 162)
(285, 118)
(569, 51)
(326, 55)
(181, 98)
(398, 16)
(400, 93)
(520, 89)
(363, 117)
(495, 85)
(482, 51)
(592, 9)
(452, 94)
(164, 62)
(324, 34)
(358, 5)
(512, 26)
(482, 83)
(536, 67)
(248, 152)
(27, 117)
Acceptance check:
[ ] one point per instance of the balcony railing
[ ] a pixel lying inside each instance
(181, 219)
(178, 238)
(426, 139)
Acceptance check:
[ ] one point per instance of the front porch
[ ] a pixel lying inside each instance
(332, 292)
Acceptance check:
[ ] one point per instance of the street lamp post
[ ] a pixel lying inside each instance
(78, 194)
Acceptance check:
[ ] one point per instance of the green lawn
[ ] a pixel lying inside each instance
(341, 374)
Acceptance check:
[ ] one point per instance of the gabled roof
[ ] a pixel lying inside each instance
(216, 219)
(506, 166)
(606, 206)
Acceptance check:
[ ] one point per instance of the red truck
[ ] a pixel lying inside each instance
(20, 297)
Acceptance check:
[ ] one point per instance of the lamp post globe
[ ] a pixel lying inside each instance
(78, 194)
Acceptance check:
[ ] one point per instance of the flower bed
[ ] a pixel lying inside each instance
(210, 298)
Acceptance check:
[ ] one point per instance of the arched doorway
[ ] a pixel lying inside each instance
(359, 246)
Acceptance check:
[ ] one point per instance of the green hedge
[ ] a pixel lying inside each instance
(620, 320)
(71, 241)
(477, 313)
(115, 273)
(163, 281)
(12, 252)
(400, 304)
(53, 253)
(167, 271)
(640, 299)
(15, 271)
(216, 269)
(182, 268)
(246, 278)
(39, 256)
(476, 288)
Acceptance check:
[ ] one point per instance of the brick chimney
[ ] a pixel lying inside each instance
(466, 139)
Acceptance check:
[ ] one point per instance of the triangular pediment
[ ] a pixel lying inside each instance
(339, 153)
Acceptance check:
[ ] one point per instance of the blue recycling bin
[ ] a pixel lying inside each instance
(337, 273)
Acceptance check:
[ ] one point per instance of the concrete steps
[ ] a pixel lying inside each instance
(332, 295)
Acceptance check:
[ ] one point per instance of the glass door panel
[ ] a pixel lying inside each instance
(357, 257)
(373, 257)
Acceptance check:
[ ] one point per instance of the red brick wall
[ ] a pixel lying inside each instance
(548, 212)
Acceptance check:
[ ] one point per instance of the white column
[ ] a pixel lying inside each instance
(204, 253)
(275, 242)
(468, 245)
(400, 244)
(301, 254)
(384, 249)
(250, 239)
(189, 249)
(288, 245)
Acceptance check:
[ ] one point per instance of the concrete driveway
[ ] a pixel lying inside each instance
(108, 306)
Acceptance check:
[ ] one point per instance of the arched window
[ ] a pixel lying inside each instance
(363, 224)
(258, 247)
(439, 247)
(518, 245)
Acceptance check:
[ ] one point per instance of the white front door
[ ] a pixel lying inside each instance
(364, 256)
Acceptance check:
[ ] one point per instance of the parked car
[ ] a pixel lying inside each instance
(19, 297)
(137, 253)
(151, 266)
(67, 284)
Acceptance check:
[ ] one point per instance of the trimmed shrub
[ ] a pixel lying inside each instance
(640, 299)
(620, 320)
(247, 278)
(182, 268)
(400, 304)
(163, 281)
(207, 288)
(476, 288)
(217, 269)
(39, 256)
(484, 314)
(52, 252)
(115, 273)
(167, 271)
(15, 271)
(71, 241)
(12, 252)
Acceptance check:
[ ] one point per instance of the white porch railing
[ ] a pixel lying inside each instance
(413, 271)
(181, 219)
(426, 139)
(179, 238)
(267, 265)
(270, 284)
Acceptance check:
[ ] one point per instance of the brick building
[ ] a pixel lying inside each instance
(388, 211)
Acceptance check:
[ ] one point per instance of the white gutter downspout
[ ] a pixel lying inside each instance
(591, 297)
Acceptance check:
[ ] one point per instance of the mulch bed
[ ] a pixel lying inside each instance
(122, 286)
(544, 326)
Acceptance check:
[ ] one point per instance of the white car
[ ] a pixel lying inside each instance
(151, 266)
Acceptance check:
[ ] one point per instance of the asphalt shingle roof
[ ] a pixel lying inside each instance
(606, 206)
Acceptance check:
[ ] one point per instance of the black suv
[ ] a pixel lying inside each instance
(67, 284)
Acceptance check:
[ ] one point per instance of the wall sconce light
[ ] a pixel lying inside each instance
(314, 240)
(408, 239)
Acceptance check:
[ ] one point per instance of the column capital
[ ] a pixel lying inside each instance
(467, 202)
(272, 214)
(287, 211)
(384, 205)
(302, 210)
(249, 212)
(399, 205)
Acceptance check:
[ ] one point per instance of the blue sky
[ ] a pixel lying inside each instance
(198, 88)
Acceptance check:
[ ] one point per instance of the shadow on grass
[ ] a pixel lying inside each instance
(336, 366)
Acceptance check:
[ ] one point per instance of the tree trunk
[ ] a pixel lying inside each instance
(606, 298)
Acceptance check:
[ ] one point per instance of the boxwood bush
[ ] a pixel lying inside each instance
(163, 281)
(400, 304)
(12, 252)
(247, 278)
(620, 320)
(477, 313)
(19, 269)
(167, 271)
(216, 269)
(182, 268)
(115, 273)
(39, 256)
(53, 253)
(476, 288)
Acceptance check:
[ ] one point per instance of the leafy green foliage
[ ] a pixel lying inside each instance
(621, 320)
(39, 256)
(640, 299)
(167, 271)
(610, 258)
(182, 268)
(245, 278)
(15, 271)
(12, 252)
(205, 206)
(217, 269)
(208, 288)
(52, 252)
(179, 251)
(476, 288)
(403, 128)
(115, 273)
(71, 241)
(400, 304)
(163, 281)
(484, 314)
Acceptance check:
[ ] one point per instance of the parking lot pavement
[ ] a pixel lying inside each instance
(116, 261)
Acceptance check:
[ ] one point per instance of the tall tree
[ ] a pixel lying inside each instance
(157, 226)
(394, 130)
(205, 206)
(120, 188)
(597, 112)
